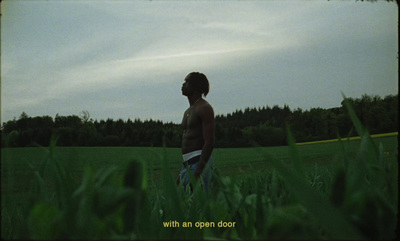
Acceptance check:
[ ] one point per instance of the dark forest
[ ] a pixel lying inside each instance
(264, 126)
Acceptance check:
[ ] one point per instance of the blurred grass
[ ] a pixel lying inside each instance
(340, 190)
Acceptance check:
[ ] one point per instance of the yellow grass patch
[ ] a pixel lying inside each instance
(349, 139)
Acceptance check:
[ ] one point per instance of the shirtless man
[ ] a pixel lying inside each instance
(198, 131)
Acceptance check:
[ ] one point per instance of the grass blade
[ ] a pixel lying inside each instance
(328, 216)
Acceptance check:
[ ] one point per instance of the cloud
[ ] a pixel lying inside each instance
(131, 55)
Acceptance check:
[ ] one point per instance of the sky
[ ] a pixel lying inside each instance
(128, 59)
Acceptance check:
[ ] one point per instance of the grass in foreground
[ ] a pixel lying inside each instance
(293, 199)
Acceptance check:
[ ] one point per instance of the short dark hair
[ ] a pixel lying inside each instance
(200, 82)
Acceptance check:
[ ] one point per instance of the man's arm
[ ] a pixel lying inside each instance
(206, 114)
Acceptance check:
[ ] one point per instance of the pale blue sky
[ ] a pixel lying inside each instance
(128, 59)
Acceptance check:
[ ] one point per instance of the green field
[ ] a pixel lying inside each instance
(230, 161)
(242, 171)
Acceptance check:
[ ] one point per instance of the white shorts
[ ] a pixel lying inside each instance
(190, 155)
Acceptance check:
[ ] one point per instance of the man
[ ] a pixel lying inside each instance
(198, 131)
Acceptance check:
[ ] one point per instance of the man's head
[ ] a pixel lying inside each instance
(198, 83)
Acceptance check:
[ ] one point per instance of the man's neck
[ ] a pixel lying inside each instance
(193, 99)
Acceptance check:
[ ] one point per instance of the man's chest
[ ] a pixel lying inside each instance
(191, 121)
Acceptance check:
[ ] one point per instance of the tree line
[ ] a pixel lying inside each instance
(265, 126)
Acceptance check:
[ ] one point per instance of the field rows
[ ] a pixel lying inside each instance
(293, 195)
(230, 161)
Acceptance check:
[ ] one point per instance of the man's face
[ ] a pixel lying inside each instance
(186, 87)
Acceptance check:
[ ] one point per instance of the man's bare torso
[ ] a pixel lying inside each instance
(192, 137)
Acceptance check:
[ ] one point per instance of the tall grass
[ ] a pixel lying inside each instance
(355, 199)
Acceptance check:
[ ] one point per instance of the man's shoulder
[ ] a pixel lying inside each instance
(205, 104)
(205, 108)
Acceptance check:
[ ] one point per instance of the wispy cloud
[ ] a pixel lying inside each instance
(135, 52)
